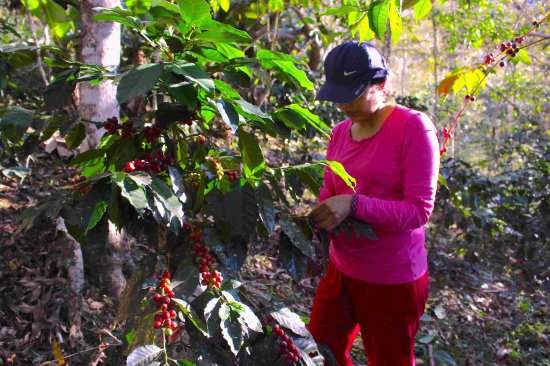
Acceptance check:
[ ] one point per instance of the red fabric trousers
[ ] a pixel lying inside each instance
(388, 316)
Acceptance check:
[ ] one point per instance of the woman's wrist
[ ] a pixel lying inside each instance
(354, 204)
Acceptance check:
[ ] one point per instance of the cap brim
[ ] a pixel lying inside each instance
(339, 93)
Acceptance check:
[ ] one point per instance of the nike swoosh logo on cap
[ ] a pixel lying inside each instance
(346, 73)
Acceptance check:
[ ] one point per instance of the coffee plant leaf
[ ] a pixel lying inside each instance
(250, 318)
(230, 284)
(15, 122)
(310, 176)
(190, 314)
(141, 178)
(76, 135)
(185, 363)
(134, 194)
(194, 12)
(193, 73)
(213, 25)
(291, 259)
(292, 321)
(59, 93)
(212, 315)
(293, 185)
(143, 355)
(253, 157)
(177, 183)
(185, 281)
(266, 210)
(138, 7)
(299, 235)
(307, 347)
(138, 81)
(232, 331)
(88, 158)
(228, 113)
(172, 203)
(274, 185)
(378, 17)
(338, 169)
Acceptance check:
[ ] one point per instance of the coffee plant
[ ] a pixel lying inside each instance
(191, 177)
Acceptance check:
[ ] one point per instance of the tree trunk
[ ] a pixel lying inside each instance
(99, 45)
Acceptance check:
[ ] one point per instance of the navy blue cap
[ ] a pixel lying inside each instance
(349, 69)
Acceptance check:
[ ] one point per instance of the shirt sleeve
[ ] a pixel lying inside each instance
(420, 167)
(327, 189)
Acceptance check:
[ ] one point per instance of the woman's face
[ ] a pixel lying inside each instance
(362, 108)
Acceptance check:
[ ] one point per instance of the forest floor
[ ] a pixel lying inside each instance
(487, 312)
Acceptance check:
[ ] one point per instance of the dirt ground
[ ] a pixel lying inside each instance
(477, 313)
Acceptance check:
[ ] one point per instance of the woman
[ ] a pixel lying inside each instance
(378, 287)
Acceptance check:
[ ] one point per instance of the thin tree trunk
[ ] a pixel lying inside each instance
(99, 45)
(436, 76)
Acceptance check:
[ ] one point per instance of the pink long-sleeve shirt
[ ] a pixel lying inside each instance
(396, 172)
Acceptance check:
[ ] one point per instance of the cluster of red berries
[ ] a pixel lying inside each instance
(152, 133)
(112, 125)
(510, 48)
(470, 98)
(232, 176)
(210, 277)
(127, 129)
(286, 347)
(443, 150)
(163, 300)
(201, 140)
(151, 163)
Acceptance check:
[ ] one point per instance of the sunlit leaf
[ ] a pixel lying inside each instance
(378, 17)
(137, 82)
(422, 8)
(143, 355)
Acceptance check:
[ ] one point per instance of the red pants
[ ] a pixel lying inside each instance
(387, 315)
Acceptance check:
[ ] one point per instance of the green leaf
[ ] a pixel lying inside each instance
(227, 90)
(253, 157)
(340, 171)
(344, 9)
(193, 73)
(290, 320)
(137, 82)
(166, 5)
(422, 8)
(141, 178)
(88, 157)
(54, 15)
(251, 111)
(15, 123)
(265, 206)
(143, 355)
(441, 179)
(177, 183)
(295, 115)
(523, 56)
(118, 15)
(134, 194)
(228, 113)
(298, 237)
(97, 214)
(76, 135)
(396, 24)
(167, 197)
(185, 281)
(222, 37)
(229, 51)
(191, 315)
(195, 11)
(378, 17)
(138, 7)
(284, 63)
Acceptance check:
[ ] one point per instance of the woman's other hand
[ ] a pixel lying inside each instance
(331, 212)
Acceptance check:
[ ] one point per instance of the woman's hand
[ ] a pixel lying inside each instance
(331, 212)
